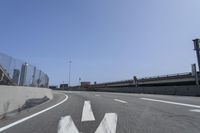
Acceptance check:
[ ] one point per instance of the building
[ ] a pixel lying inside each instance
(23, 74)
(16, 74)
(33, 76)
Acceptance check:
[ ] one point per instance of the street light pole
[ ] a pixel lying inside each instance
(69, 71)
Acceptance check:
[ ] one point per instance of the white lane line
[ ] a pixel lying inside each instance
(66, 125)
(87, 114)
(169, 102)
(31, 116)
(195, 110)
(121, 101)
(97, 95)
(108, 124)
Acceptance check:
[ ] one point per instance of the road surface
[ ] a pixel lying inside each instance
(101, 112)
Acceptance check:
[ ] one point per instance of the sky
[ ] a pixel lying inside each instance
(106, 40)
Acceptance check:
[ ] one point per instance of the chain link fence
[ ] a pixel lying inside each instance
(22, 73)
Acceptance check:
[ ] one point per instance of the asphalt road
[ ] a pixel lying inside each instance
(100, 112)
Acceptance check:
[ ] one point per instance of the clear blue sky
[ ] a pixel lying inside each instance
(107, 40)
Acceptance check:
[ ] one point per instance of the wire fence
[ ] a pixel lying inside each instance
(22, 73)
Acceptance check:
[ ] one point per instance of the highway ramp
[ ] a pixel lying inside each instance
(101, 112)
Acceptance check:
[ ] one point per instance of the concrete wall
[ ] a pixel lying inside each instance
(14, 97)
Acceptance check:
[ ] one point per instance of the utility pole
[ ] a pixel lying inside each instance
(69, 72)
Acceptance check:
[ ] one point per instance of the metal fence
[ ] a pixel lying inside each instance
(22, 73)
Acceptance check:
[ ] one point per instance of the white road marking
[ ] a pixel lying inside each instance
(31, 116)
(195, 110)
(169, 102)
(87, 114)
(97, 95)
(66, 125)
(118, 100)
(108, 124)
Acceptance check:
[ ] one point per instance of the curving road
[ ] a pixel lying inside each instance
(100, 112)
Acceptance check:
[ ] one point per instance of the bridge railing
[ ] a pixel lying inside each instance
(170, 76)
(186, 75)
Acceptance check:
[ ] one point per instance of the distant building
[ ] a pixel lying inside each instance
(85, 84)
(53, 87)
(33, 77)
(23, 74)
(63, 86)
(16, 74)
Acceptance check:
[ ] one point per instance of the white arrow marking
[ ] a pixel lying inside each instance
(66, 125)
(121, 101)
(195, 110)
(108, 124)
(87, 114)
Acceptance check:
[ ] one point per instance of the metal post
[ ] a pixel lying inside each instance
(196, 48)
(195, 74)
(2, 76)
(135, 81)
(69, 72)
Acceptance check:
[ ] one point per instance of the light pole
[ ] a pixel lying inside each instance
(69, 71)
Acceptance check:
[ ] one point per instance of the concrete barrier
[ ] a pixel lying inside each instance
(15, 97)
(164, 90)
